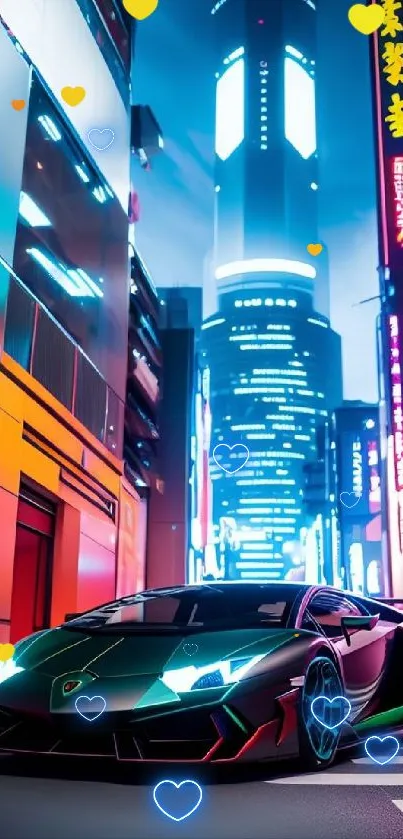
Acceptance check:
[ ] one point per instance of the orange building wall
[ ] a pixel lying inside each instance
(42, 441)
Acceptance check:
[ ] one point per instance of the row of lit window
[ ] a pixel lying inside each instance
(277, 371)
(269, 301)
(275, 381)
(267, 501)
(270, 519)
(265, 346)
(250, 327)
(262, 337)
(263, 73)
(265, 482)
(300, 391)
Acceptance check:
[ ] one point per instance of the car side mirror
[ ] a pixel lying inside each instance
(355, 622)
(71, 615)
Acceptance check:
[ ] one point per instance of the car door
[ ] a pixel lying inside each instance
(363, 661)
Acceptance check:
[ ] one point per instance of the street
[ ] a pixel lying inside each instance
(355, 799)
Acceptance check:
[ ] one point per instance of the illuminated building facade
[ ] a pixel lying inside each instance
(275, 362)
(343, 503)
(71, 514)
(275, 374)
(387, 78)
(359, 498)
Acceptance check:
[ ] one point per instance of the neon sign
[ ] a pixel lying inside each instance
(357, 468)
(374, 477)
(396, 394)
(397, 175)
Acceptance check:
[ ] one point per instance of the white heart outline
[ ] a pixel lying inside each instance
(330, 701)
(233, 471)
(178, 786)
(90, 699)
(101, 131)
(381, 740)
(190, 644)
(350, 506)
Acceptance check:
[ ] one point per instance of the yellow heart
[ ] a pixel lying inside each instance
(73, 95)
(314, 249)
(6, 651)
(140, 9)
(366, 19)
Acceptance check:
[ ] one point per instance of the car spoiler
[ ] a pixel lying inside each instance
(390, 600)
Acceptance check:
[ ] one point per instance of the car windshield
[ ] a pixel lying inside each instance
(191, 609)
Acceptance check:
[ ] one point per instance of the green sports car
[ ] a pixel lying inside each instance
(212, 672)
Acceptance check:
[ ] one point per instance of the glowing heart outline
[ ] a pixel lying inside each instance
(178, 786)
(186, 648)
(330, 701)
(357, 495)
(382, 740)
(101, 131)
(90, 699)
(226, 446)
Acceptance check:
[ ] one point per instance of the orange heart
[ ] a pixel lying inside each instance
(6, 651)
(18, 104)
(314, 249)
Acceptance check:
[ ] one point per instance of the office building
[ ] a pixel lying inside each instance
(275, 361)
(182, 306)
(387, 100)
(72, 522)
(359, 498)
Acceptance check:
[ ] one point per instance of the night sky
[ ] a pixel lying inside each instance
(174, 74)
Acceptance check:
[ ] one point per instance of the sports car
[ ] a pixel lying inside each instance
(215, 672)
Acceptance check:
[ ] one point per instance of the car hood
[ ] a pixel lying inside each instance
(59, 651)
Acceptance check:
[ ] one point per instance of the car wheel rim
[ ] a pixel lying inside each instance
(321, 679)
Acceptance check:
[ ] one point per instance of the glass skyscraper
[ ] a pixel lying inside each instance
(275, 362)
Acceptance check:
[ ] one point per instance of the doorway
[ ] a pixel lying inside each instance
(32, 574)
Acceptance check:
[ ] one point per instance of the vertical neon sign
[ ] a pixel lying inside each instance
(396, 386)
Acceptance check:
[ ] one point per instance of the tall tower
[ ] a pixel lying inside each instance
(266, 160)
(275, 363)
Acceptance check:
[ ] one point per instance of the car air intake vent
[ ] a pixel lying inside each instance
(209, 680)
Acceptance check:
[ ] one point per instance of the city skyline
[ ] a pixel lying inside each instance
(182, 179)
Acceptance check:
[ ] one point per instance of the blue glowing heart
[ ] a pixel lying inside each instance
(90, 708)
(382, 749)
(101, 139)
(181, 799)
(336, 710)
(223, 450)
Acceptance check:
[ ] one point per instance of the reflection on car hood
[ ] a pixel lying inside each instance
(60, 651)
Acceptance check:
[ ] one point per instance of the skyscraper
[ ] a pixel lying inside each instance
(275, 362)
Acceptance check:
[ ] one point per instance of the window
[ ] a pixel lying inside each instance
(299, 117)
(193, 608)
(327, 608)
(83, 285)
(230, 127)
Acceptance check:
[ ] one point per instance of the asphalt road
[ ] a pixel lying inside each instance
(355, 799)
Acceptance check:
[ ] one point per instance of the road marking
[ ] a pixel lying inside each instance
(366, 761)
(386, 779)
(399, 804)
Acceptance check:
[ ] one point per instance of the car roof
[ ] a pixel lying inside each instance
(281, 589)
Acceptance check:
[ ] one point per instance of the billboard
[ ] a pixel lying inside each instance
(387, 56)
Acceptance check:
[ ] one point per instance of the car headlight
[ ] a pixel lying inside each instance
(9, 669)
(219, 674)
